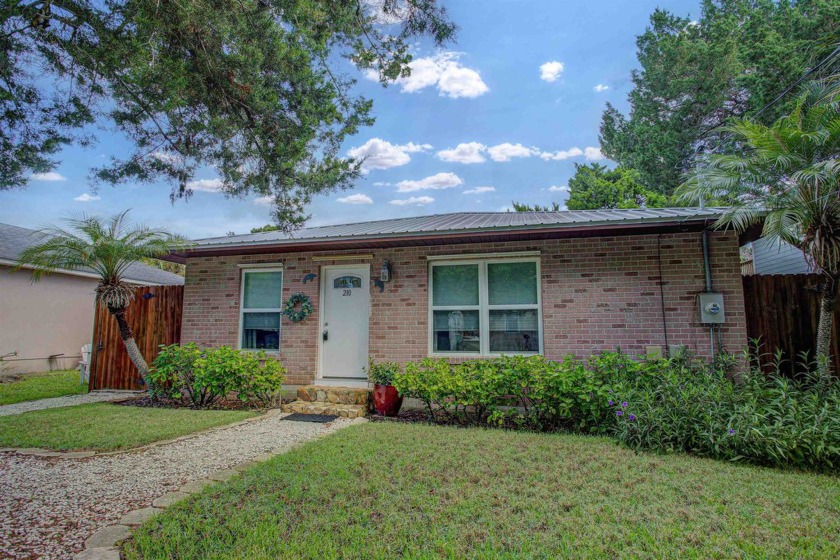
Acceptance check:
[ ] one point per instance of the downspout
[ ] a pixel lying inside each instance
(704, 240)
(707, 269)
(662, 294)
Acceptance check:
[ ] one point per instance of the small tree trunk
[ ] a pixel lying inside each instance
(827, 302)
(130, 344)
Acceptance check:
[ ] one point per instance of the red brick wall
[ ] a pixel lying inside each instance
(597, 294)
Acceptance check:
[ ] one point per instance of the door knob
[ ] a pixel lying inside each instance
(325, 335)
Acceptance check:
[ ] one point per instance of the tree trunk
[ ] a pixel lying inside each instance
(827, 302)
(130, 344)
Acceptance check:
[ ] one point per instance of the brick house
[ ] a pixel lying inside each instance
(468, 285)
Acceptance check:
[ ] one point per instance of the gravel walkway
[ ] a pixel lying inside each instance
(70, 400)
(48, 507)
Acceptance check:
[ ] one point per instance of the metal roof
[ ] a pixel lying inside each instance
(462, 222)
(14, 239)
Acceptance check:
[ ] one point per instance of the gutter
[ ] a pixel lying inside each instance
(467, 233)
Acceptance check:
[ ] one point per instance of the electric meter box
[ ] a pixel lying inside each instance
(711, 309)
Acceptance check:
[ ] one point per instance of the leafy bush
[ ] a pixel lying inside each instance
(203, 377)
(173, 370)
(670, 405)
(262, 380)
(768, 419)
(526, 391)
(383, 373)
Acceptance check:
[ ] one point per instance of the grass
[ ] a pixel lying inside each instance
(385, 490)
(107, 427)
(45, 385)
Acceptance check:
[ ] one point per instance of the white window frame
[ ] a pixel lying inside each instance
(483, 307)
(243, 311)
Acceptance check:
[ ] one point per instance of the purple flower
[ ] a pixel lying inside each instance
(631, 417)
(610, 390)
(612, 403)
(623, 404)
(619, 412)
(731, 431)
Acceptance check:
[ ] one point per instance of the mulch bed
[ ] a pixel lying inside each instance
(148, 402)
(406, 416)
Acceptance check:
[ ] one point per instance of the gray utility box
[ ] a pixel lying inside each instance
(711, 309)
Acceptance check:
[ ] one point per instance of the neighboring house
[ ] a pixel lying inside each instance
(48, 322)
(769, 257)
(465, 285)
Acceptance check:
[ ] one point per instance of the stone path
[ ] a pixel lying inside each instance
(50, 506)
(70, 400)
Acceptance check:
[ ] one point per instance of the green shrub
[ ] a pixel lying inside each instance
(263, 379)
(383, 373)
(680, 404)
(428, 380)
(173, 370)
(683, 405)
(571, 394)
(525, 391)
(203, 377)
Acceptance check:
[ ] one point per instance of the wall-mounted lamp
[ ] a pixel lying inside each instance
(385, 272)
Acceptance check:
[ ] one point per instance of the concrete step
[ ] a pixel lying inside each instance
(329, 408)
(334, 395)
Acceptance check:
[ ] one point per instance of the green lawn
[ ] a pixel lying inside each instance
(385, 490)
(106, 427)
(45, 385)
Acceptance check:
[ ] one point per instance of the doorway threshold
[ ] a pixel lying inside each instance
(356, 382)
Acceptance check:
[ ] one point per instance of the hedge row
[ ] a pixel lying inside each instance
(679, 404)
(202, 377)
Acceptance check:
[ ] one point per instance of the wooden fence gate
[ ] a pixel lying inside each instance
(782, 313)
(155, 318)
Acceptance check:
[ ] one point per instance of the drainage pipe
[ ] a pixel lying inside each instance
(707, 267)
(704, 240)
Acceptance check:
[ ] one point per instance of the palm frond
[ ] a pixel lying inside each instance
(107, 246)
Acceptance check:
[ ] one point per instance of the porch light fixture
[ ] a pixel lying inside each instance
(385, 272)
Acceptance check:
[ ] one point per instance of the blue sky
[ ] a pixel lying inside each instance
(500, 115)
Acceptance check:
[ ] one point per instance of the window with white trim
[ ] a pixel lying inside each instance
(261, 307)
(485, 307)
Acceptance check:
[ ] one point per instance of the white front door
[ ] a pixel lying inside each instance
(345, 321)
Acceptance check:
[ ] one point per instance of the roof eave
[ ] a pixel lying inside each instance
(627, 227)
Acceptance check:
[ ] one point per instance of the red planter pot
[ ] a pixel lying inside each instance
(386, 400)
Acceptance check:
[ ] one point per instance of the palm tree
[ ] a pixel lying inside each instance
(107, 247)
(788, 176)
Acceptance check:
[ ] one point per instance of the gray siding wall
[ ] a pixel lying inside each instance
(776, 258)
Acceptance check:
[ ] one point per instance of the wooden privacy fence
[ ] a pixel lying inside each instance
(155, 318)
(782, 312)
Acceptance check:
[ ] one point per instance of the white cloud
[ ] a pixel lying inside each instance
(87, 197)
(381, 154)
(206, 185)
(264, 201)
(508, 151)
(562, 154)
(381, 184)
(458, 81)
(436, 182)
(413, 201)
(442, 71)
(555, 188)
(479, 190)
(469, 152)
(356, 199)
(49, 176)
(593, 154)
(601, 87)
(551, 71)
